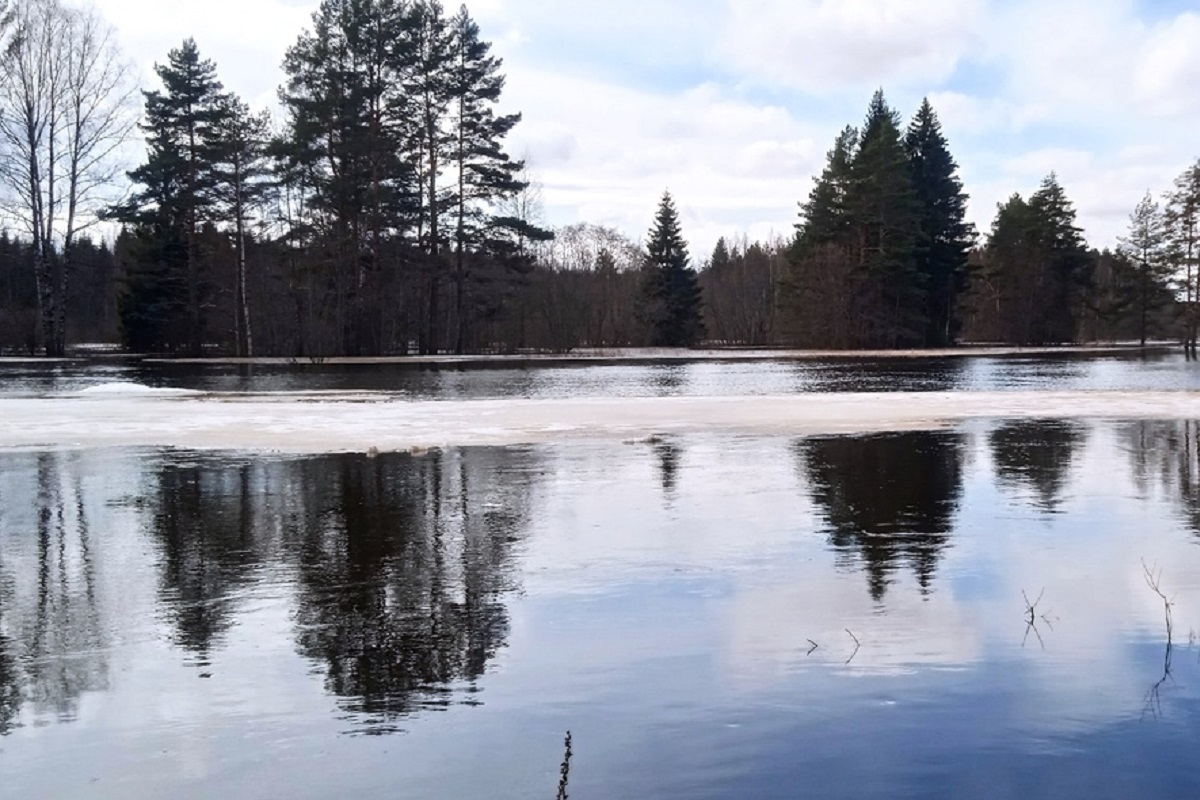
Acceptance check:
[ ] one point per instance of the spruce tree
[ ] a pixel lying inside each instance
(944, 237)
(1038, 266)
(671, 292)
(824, 216)
(885, 222)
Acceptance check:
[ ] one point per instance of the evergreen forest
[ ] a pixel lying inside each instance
(377, 210)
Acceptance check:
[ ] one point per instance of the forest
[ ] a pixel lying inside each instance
(377, 211)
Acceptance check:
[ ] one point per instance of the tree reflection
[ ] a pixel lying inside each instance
(1165, 454)
(10, 678)
(1038, 455)
(887, 499)
(403, 570)
(668, 453)
(52, 643)
(202, 518)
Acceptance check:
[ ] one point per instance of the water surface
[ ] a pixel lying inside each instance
(710, 616)
(1130, 371)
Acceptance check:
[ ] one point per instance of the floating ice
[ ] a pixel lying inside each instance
(126, 389)
(335, 422)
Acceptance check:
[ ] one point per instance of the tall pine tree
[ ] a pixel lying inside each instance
(168, 278)
(671, 292)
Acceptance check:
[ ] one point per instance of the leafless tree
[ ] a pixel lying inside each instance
(65, 112)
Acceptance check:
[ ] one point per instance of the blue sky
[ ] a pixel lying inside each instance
(732, 104)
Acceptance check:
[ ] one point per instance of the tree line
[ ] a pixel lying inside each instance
(379, 212)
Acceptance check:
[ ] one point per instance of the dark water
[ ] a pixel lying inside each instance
(206, 625)
(1157, 370)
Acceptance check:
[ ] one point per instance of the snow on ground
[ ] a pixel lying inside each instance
(334, 422)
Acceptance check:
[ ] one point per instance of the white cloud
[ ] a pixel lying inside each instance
(832, 45)
(604, 153)
(733, 104)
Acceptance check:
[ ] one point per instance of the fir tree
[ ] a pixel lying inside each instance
(944, 238)
(671, 293)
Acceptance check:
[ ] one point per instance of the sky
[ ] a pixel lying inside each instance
(732, 104)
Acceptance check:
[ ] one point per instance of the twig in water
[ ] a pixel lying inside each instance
(1031, 618)
(857, 646)
(1031, 608)
(1153, 580)
(564, 771)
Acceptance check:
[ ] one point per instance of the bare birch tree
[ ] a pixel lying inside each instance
(65, 112)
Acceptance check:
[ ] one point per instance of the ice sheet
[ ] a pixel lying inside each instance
(126, 389)
(334, 422)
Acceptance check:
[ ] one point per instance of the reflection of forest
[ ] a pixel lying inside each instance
(52, 641)
(400, 565)
(401, 562)
(1165, 456)
(887, 499)
(1037, 455)
(403, 568)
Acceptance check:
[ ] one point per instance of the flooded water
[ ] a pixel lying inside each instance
(1156, 370)
(960, 612)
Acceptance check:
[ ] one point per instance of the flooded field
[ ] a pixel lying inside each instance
(955, 609)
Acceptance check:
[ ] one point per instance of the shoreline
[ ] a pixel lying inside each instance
(636, 355)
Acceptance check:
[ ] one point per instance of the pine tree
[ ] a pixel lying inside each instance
(1182, 220)
(175, 200)
(347, 149)
(486, 174)
(1146, 248)
(945, 237)
(241, 182)
(671, 293)
(430, 89)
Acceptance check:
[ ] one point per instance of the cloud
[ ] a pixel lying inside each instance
(604, 153)
(733, 104)
(831, 45)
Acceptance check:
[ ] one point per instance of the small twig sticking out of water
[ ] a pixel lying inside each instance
(1031, 618)
(564, 771)
(813, 649)
(1031, 608)
(1153, 580)
(857, 646)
